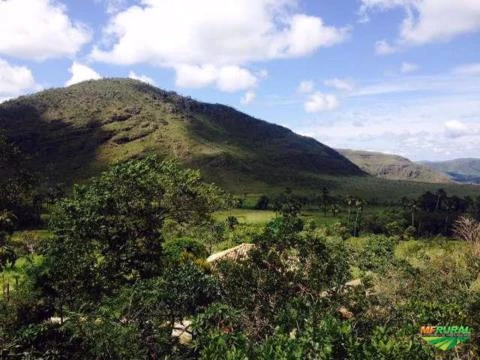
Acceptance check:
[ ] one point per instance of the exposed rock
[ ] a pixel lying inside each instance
(182, 332)
(235, 253)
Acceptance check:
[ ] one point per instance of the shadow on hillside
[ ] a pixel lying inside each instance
(60, 151)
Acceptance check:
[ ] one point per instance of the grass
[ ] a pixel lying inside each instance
(17, 273)
(424, 254)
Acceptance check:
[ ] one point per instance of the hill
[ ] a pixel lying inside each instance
(393, 167)
(461, 170)
(73, 133)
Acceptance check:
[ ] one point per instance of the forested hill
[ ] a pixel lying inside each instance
(72, 133)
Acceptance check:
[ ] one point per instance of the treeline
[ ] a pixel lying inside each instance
(431, 214)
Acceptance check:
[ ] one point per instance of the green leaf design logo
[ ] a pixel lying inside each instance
(445, 343)
(445, 337)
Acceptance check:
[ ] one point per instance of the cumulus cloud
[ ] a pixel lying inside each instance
(423, 127)
(225, 78)
(408, 68)
(39, 30)
(456, 128)
(143, 78)
(306, 86)
(201, 38)
(467, 69)
(81, 73)
(318, 102)
(248, 97)
(340, 84)
(15, 80)
(426, 21)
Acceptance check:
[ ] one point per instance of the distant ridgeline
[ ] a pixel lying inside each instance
(465, 171)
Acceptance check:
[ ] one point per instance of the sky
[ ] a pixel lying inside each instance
(395, 76)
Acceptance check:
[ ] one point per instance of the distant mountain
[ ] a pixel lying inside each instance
(73, 133)
(393, 167)
(461, 170)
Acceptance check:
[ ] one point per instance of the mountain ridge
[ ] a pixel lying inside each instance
(73, 133)
(393, 167)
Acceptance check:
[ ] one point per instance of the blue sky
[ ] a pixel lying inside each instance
(397, 76)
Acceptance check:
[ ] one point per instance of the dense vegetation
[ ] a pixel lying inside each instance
(321, 261)
(122, 273)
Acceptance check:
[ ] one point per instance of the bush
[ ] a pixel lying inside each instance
(178, 249)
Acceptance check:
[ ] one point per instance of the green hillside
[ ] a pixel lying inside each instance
(460, 170)
(393, 167)
(72, 133)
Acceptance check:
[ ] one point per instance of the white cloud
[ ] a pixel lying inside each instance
(318, 102)
(248, 97)
(382, 47)
(420, 126)
(427, 21)
(468, 69)
(225, 78)
(234, 78)
(81, 73)
(214, 32)
(340, 84)
(306, 86)
(456, 128)
(408, 68)
(38, 30)
(200, 38)
(144, 78)
(15, 80)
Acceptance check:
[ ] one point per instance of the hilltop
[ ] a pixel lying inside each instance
(393, 167)
(73, 133)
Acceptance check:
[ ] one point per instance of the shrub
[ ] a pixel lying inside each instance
(176, 250)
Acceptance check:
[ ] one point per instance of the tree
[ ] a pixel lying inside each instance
(262, 203)
(335, 209)
(412, 205)
(349, 201)
(441, 196)
(325, 200)
(17, 183)
(109, 232)
(232, 222)
(359, 205)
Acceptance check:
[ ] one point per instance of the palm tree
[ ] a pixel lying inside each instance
(359, 204)
(413, 206)
(7, 220)
(441, 195)
(349, 202)
(325, 200)
(450, 207)
(335, 209)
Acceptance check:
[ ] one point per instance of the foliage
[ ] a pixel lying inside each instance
(109, 232)
(183, 248)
